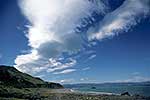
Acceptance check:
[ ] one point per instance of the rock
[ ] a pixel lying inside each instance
(125, 94)
(93, 87)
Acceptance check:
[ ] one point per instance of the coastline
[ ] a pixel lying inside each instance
(69, 94)
(81, 92)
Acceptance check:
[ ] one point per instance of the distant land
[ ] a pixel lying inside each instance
(134, 88)
(15, 85)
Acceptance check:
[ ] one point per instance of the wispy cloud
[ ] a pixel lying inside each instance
(86, 68)
(40, 76)
(122, 19)
(84, 79)
(56, 65)
(46, 39)
(67, 81)
(67, 71)
(48, 66)
(0, 56)
(92, 57)
(135, 79)
(136, 73)
(56, 28)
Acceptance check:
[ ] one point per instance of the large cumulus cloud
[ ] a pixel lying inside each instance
(64, 26)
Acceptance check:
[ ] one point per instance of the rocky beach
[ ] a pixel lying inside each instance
(59, 94)
(15, 85)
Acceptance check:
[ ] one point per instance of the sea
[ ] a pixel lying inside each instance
(142, 89)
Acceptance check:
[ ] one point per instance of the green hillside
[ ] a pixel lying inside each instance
(10, 76)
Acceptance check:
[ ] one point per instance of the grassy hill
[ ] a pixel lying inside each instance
(10, 76)
(15, 84)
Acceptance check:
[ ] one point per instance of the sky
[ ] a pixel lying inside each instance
(77, 41)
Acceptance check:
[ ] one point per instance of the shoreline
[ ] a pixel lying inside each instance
(66, 90)
(69, 94)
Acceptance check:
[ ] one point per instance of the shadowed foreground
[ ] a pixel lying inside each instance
(15, 85)
(59, 94)
(72, 96)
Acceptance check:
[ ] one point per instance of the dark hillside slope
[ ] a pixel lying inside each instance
(10, 76)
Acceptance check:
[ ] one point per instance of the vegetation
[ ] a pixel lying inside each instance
(15, 85)
(12, 77)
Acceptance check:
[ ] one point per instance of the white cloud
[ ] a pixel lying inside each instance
(86, 68)
(56, 65)
(65, 71)
(0, 56)
(135, 79)
(122, 19)
(23, 59)
(45, 17)
(66, 81)
(92, 57)
(54, 29)
(84, 79)
(40, 76)
(136, 73)
(34, 66)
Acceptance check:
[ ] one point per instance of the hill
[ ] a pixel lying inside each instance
(10, 76)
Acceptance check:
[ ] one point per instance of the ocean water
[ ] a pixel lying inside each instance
(112, 88)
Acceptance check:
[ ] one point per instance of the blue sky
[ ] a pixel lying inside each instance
(111, 44)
